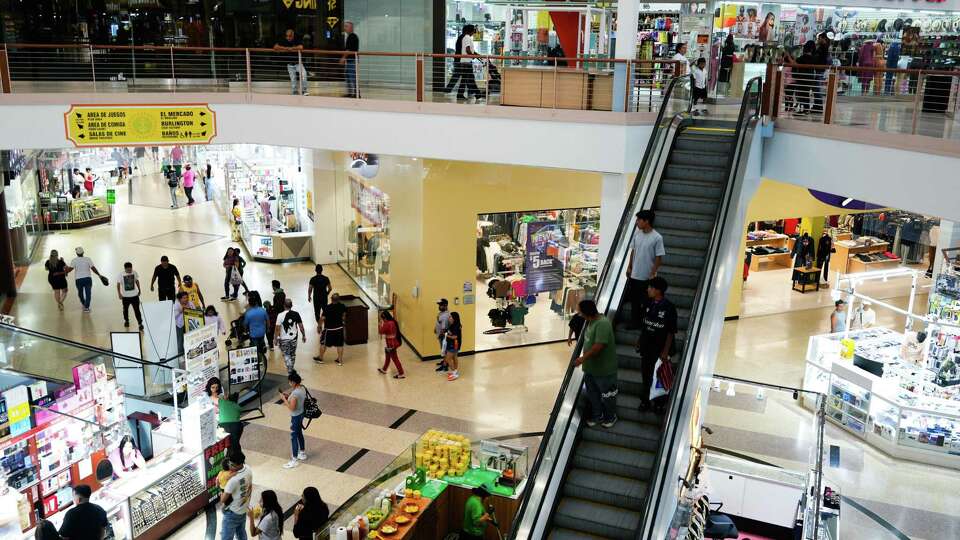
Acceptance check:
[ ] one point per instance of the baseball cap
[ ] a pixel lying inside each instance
(442, 302)
(838, 302)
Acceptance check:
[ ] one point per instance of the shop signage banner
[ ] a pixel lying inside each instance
(544, 270)
(136, 125)
(202, 359)
(244, 365)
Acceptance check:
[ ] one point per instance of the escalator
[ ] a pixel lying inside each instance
(612, 482)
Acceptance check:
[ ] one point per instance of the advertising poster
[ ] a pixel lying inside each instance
(544, 269)
(262, 245)
(192, 320)
(244, 365)
(202, 359)
(805, 27)
(769, 23)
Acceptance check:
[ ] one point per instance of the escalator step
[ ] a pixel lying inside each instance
(687, 239)
(679, 276)
(628, 408)
(686, 157)
(596, 519)
(619, 491)
(559, 533)
(686, 203)
(683, 256)
(693, 188)
(614, 460)
(717, 145)
(626, 433)
(695, 172)
(688, 222)
(629, 381)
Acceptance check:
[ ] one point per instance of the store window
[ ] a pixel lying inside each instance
(364, 227)
(533, 268)
(22, 216)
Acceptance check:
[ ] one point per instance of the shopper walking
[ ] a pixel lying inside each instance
(727, 54)
(657, 335)
(272, 323)
(212, 318)
(468, 83)
(457, 50)
(291, 45)
(189, 180)
(88, 181)
(128, 290)
(452, 341)
(231, 277)
(279, 296)
(699, 74)
(289, 327)
(318, 290)
(391, 342)
(86, 520)
(646, 256)
(57, 277)
(351, 45)
(331, 329)
(237, 214)
(182, 303)
(293, 399)
(84, 269)
(838, 317)
(310, 514)
(236, 498)
(208, 182)
(193, 290)
(173, 183)
(269, 524)
(256, 320)
(164, 276)
(440, 330)
(599, 365)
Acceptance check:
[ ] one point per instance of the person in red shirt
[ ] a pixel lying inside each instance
(391, 335)
(88, 181)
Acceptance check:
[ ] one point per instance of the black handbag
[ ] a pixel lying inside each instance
(311, 409)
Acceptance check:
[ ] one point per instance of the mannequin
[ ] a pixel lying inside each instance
(866, 317)
(824, 249)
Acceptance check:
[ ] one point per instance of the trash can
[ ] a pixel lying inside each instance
(936, 93)
(355, 323)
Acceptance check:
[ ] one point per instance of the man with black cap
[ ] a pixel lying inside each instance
(440, 330)
(475, 516)
(657, 333)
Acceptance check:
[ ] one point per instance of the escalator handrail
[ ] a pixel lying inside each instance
(749, 111)
(625, 220)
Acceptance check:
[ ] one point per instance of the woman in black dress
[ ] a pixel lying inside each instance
(57, 277)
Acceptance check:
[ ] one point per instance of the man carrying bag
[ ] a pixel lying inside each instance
(658, 331)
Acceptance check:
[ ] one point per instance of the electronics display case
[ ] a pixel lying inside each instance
(903, 412)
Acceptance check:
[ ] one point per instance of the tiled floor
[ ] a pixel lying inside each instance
(368, 418)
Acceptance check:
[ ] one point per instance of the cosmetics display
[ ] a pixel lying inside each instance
(909, 410)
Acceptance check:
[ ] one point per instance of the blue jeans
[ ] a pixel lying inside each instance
(84, 289)
(232, 526)
(350, 71)
(602, 396)
(293, 70)
(296, 435)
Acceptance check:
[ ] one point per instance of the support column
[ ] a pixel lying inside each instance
(613, 198)
(8, 283)
(628, 22)
(319, 169)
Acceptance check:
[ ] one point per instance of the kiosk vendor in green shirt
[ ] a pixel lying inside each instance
(475, 517)
(599, 364)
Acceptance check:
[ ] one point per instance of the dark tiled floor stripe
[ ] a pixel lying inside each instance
(513, 436)
(406, 416)
(370, 465)
(876, 518)
(360, 410)
(275, 442)
(353, 459)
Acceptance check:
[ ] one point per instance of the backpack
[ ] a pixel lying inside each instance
(172, 179)
(311, 409)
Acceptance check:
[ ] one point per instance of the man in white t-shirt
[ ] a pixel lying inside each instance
(128, 289)
(289, 327)
(236, 499)
(83, 277)
(683, 64)
(465, 64)
(646, 256)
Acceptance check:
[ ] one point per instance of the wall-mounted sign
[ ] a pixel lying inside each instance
(130, 125)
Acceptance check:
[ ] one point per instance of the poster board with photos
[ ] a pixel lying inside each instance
(244, 365)
(202, 359)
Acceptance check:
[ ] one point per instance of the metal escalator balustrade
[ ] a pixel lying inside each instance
(595, 481)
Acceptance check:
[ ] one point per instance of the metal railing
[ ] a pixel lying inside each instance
(564, 83)
(905, 101)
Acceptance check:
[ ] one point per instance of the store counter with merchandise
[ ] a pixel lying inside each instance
(900, 395)
(423, 492)
(61, 212)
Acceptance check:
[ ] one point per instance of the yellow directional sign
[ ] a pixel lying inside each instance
(127, 125)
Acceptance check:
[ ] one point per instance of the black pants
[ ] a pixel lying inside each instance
(235, 430)
(637, 291)
(261, 347)
(189, 193)
(465, 536)
(167, 294)
(824, 265)
(454, 77)
(135, 302)
(318, 305)
(467, 81)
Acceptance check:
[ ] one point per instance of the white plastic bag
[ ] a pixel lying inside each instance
(235, 278)
(657, 388)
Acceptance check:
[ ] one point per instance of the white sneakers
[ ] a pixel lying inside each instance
(295, 462)
(302, 456)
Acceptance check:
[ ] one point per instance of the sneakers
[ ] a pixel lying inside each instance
(291, 464)
(399, 376)
(318, 360)
(302, 456)
(442, 367)
(225, 298)
(126, 324)
(339, 362)
(453, 375)
(382, 372)
(610, 423)
(592, 423)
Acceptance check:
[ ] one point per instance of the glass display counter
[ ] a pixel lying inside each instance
(875, 394)
(61, 212)
(423, 491)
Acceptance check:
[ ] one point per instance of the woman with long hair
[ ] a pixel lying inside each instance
(46, 530)
(293, 400)
(310, 514)
(454, 339)
(57, 277)
(269, 525)
(391, 337)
